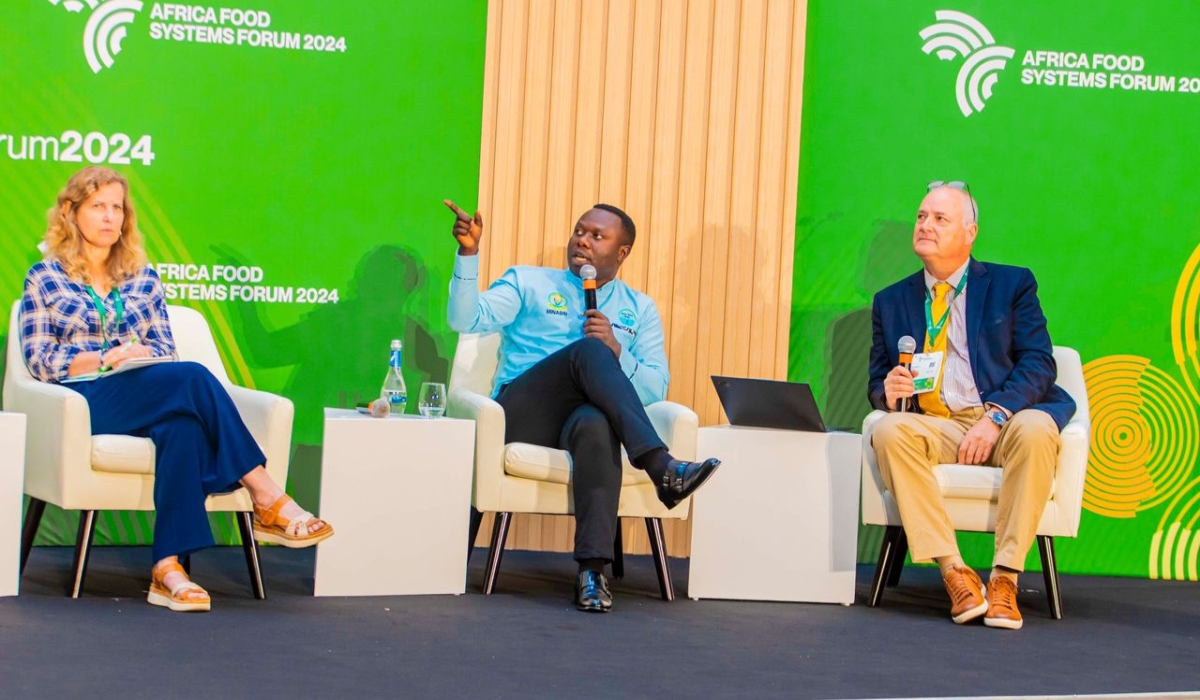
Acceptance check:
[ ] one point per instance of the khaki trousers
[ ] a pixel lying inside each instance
(909, 445)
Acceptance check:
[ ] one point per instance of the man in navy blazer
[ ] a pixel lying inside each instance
(994, 400)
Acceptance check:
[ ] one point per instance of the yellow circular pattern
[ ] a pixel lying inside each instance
(1145, 436)
(1175, 547)
(1185, 324)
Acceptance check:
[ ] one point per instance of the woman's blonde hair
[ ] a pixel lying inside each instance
(64, 242)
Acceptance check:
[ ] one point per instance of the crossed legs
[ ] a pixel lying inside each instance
(202, 447)
(578, 399)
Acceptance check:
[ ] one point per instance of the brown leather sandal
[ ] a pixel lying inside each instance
(304, 530)
(186, 597)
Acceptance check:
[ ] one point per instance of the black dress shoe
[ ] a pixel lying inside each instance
(591, 592)
(683, 478)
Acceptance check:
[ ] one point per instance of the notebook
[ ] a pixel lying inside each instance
(125, 367)
(765, 403)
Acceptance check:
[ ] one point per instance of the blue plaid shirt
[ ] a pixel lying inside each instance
(59, 320)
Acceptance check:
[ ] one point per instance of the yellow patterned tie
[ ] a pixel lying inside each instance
(931, 402)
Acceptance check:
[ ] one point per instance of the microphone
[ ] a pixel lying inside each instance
(588, 273)
(906, 346)
(379, 408)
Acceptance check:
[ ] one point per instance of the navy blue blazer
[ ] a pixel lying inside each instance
(1011, 355)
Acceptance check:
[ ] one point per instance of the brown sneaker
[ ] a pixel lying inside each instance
(967, 600)
(1002, 604)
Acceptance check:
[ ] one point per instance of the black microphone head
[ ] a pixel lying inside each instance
(907, 345)
(587, 272)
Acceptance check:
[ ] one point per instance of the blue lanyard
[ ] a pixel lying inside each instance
(118, 305)
(933, 330)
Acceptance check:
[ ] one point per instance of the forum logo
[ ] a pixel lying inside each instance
(957, 34)
(105, 29)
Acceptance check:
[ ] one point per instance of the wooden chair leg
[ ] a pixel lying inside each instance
(245, 525)
(897, 563)
(33, 518)
(83, 550)
(1050, 573)
(658, 547)
(496, 551)
(618, 563)
(476, 519)
(887, 559)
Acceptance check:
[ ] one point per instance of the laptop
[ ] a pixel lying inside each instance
(765, 403)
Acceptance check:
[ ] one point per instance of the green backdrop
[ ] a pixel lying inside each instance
(1083, 160)
(309, 143)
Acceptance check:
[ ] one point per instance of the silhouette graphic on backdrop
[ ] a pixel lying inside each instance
(884, 259)
(339, 352)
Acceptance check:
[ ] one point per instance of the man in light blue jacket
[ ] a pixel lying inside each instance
(576, 378)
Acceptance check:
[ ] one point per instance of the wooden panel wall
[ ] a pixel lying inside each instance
(685, 113)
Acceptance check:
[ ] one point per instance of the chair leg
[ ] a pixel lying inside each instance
(476, 519)
(897, 563)
(33, 518)
(245, 525)
(83, 550)
(618, 563)
(658, 547)
(496, 551)
(1050, 573)
(887, 559)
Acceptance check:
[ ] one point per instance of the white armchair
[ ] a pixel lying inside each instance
(68, 466)
(523, 478)
(971, 493)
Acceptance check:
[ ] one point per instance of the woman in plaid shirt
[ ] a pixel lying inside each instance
(94, 304)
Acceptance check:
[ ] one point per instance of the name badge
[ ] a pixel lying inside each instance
(926, 368)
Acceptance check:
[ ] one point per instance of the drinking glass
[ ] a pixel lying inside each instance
(432, 401)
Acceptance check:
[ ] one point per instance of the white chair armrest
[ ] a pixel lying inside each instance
(63, 442)
(874, 507)
(869, 423)
(269, 418)
(676, 425)
(1072, 470)
(489, 444)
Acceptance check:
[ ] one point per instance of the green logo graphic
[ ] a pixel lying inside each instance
(557, 302)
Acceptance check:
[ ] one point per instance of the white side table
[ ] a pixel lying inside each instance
(12, 486)
(397, 491)
(779, 519)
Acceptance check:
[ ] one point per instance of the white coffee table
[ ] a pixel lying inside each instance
(397, 491)
(779, 519)
(12, 486)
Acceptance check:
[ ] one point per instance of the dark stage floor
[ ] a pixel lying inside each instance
(526, 641)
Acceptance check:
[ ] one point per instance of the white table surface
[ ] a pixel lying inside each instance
(397, 491)
(779, 519)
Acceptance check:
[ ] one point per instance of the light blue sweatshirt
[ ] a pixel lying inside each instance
(539, 311)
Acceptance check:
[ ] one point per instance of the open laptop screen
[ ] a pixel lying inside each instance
(766, 403)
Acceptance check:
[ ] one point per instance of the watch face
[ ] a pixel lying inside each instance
(998, 418)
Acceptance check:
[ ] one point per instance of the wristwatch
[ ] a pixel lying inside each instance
(998, 417)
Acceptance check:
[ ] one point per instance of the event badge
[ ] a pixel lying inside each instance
(926, 368)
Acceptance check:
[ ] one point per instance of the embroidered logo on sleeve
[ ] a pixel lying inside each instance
(625, 321)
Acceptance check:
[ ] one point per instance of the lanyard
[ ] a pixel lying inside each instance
(935, 329)
(120, 309)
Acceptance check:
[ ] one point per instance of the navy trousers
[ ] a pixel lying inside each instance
(201, 445)
(579, 400)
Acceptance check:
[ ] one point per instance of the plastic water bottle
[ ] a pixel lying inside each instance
(394, 390)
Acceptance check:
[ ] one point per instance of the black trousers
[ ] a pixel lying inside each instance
(579, 400)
